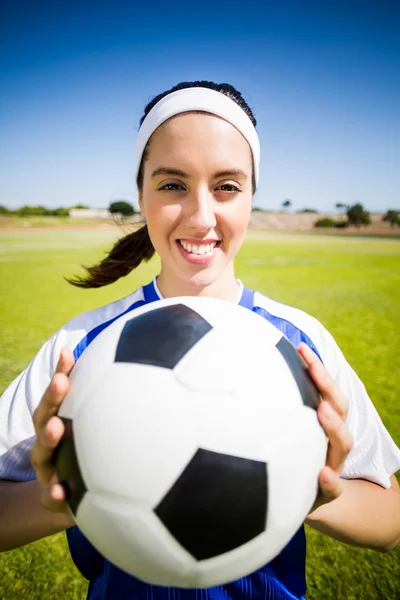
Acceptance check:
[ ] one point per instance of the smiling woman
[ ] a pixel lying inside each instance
(197, 167)
(197, 162)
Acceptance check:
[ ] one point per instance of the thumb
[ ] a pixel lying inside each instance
(53, 496)
(331, 485)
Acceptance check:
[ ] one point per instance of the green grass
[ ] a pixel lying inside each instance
(351, 284)
(48, 221)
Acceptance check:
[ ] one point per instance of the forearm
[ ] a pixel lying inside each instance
(22, 517)
(365, 515)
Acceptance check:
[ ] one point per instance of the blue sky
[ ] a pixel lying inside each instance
(322, 77)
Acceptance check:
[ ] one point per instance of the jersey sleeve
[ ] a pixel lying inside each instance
(20, 399)
(374, 455)
(17, 405)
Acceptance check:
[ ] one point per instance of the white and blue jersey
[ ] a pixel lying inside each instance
(374, 455)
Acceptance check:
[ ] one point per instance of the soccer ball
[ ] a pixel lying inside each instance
(192, 447)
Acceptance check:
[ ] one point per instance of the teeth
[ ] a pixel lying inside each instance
(202, 249)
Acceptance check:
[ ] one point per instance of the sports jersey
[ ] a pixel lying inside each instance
(374, 455)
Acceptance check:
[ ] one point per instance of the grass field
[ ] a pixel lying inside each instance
(351, 284)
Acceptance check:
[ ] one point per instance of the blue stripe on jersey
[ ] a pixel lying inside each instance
(150, 295)
(89, 337)
(282, 579)
(247, 299)
(293, 333)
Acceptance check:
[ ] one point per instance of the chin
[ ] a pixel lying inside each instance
(201, 280)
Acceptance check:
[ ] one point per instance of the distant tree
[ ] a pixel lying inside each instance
(328, 222)
(392, 217)
(37, 211)
(340, 206)
(307, 210)
(80, 206)
(4, 210)
(341, 224)
(29, 211)
(357, 215)
(121, 207)
(287, 204)
(325, 222)
(60, 212)
(257, 209)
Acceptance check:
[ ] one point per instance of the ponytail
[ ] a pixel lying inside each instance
(129, 251)
(126, 255)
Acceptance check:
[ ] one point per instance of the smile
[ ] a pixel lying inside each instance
(199, 249)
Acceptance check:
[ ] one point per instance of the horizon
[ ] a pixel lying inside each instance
(255, 208)
(324, 82)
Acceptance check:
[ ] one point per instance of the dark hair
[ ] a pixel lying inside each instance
(129, 251)
(223, 88)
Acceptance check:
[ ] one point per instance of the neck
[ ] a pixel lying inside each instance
(225, 287)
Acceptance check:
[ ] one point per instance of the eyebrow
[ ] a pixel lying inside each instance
(178, 173)
(167, 171)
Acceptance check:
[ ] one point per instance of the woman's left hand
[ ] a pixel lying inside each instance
(332, 414)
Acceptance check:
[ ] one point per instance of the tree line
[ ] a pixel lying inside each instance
(354, 214)
(38, 211)
(121, 207)
(357, 216)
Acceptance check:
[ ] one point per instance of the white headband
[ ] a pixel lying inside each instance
(190, 99)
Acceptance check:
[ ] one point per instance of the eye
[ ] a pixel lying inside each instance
(229, 187)
(170, 187)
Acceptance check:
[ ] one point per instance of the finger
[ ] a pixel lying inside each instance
(326, 385)
(65, 362)
(52, 433)
(50, 403)
(340, 438)
(331, 485)
(42, 451)
(55, 391)
(54, 498)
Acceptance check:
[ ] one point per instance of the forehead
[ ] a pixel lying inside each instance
(199, 133)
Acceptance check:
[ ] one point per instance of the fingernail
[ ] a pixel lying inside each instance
(57, 492)
(328, 477)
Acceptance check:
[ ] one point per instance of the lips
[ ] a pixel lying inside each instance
(198, 253)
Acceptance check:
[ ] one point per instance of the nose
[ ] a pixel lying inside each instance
(201, 211)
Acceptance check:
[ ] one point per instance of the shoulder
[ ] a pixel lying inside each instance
(23, 394)
(78, 328)
(70, 334)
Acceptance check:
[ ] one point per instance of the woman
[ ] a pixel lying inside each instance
(197, 165)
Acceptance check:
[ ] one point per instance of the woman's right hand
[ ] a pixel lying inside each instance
(49, 430)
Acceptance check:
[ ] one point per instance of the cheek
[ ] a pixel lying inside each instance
(161, 216)
(239, 219)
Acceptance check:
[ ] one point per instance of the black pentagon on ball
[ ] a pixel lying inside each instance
(298, 367)
(218, 503)
(67, 466)
(161, 337)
